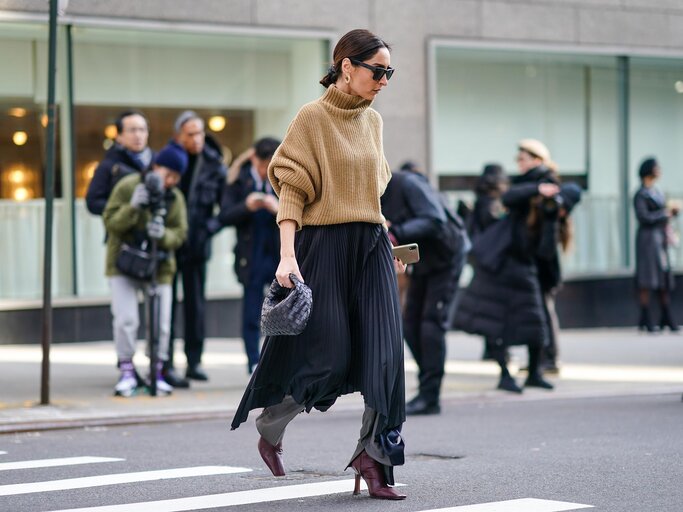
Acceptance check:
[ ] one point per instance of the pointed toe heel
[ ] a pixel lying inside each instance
(272, 456)
(373, 474)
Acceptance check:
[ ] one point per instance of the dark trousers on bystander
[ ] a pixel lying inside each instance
(193, 275)
(261, 274)
(426, 317)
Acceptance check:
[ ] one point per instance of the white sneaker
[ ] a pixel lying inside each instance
(126, 386)
(163, 387)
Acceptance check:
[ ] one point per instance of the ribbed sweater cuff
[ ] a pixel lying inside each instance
(291, 205)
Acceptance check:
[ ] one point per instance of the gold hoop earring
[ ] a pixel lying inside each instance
(347, 78)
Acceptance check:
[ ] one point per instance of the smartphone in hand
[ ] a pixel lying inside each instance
(408, 253)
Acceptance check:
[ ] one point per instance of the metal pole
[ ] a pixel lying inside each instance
(623, 93)
(72, 170)
(49, 195)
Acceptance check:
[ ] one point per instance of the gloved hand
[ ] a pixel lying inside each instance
(140, 197)
(156, 229)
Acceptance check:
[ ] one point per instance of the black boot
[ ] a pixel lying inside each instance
(645, 322)
(667, 320)
(506, 382)
(535, 378)
(173, 379)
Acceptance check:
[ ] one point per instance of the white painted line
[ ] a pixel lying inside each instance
(3, 453)
(120, 478)
(230, 499)
(521, 505)
(50, 463)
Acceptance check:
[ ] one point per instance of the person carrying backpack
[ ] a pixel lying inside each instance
(416, 212)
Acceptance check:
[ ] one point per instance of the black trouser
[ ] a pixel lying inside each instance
(193, 275)
(426, 318)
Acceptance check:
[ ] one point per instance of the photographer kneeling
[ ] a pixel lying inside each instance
(143, 209)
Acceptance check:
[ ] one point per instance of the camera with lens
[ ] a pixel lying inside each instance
(551, 205)
(155, 188)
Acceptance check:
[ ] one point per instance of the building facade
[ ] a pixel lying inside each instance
(600, 81)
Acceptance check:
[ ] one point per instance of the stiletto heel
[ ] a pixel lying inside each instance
(373, 474)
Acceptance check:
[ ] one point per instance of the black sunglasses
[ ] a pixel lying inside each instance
(377, 71)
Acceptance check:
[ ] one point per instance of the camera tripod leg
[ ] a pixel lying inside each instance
(153, 304)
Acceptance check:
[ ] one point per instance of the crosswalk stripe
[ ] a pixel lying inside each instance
(119, 478)
(230, 499)
(49, 463)
(520, 505)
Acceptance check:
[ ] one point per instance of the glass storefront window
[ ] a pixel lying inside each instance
(244, 87)
(95, 132)
(23, 56)
(23, 97)
(656, 129)
(22, 143)
(487, 100)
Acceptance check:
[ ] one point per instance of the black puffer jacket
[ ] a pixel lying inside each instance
(117, 163)
(507, 305)
(203, 196)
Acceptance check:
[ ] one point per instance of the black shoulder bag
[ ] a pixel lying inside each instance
(134, 260)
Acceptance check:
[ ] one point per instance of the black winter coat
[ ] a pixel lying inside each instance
(486, 211)
(117, 162)
(508, 304)
(205, 191)
(416, 214)
(234, 212)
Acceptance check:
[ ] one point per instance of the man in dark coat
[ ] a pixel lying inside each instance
(202, 186)
(128, 154)
(250, 204)
(415, 213)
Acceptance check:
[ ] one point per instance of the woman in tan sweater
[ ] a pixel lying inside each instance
(329, 173)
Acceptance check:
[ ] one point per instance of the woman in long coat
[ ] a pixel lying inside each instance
(488, 208)
(504, 301)
(653, 268)
(329, 173)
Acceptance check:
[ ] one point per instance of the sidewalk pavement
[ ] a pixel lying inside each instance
(594, 362)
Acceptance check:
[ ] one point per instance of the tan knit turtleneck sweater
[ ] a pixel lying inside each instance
(330, 167)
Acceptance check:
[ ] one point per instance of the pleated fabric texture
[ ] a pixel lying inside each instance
(353, 339)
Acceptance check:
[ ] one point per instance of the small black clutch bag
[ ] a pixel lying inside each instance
(285, 311)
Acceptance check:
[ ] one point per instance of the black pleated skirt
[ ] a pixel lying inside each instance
(353, 340)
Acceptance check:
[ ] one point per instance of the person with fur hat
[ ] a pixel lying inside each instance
(129, 219)
(653, 268)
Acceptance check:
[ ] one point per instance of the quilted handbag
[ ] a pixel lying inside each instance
(285, 311)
